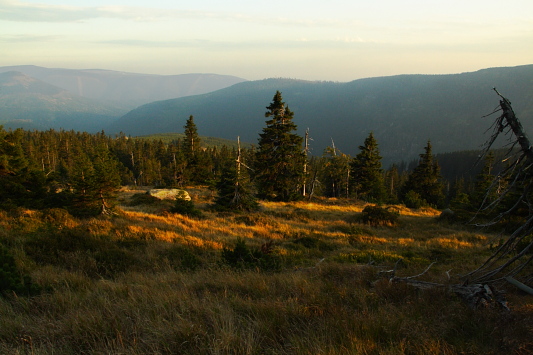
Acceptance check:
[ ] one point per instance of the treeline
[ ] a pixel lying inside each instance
(82, 172)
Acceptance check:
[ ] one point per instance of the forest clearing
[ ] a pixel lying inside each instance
(291, 278)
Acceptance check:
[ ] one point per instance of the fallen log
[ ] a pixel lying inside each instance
(474, 295)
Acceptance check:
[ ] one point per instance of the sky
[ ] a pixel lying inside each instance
(332, 40)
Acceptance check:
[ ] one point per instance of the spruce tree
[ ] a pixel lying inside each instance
(393, 180)
(279, 162)
(425, 180)
(199, 164)
(95, 181)
(367, 174)
(484, 192)
(106, 179)
(191, 143)
(235, 191)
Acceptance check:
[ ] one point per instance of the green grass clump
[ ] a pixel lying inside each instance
(369, 257)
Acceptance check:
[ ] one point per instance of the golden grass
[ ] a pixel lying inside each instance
(178, 296)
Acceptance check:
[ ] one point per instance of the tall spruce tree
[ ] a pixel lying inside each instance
(191, 143)
(279, 162)
(198, 162)
(367, 174)
(425, 180)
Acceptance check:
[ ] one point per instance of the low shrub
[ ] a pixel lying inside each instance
(314, 243)
(182, 258)
(58, 217)
(242, 257)
(11, 279)
(378, 216)
(414, 200)
(185, 208)
(143, 199)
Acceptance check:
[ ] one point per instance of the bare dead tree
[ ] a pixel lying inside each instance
(508, 260)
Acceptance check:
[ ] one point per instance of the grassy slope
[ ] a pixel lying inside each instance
(148, 281)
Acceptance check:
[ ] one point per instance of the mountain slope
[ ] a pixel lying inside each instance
(33, 104)
(403, 111)
(128, 90)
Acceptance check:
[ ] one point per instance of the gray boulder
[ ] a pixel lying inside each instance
(170, 194)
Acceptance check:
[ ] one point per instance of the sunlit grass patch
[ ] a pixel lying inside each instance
(452, 243)
(405, 241)
(359, 240)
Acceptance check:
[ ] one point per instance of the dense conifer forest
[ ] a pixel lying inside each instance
(70, 169)
(82, 172)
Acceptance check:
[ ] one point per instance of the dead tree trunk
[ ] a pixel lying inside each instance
(508, 261)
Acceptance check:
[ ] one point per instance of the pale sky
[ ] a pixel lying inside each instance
(338, 40)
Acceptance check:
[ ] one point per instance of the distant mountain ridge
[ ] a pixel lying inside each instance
(30, 103)
(403, 111)
(126, 90)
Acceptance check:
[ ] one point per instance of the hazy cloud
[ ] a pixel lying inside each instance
(28, 38)
(13, 10)
(240, 45)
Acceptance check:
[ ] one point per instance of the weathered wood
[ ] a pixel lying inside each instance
(516, 127)
(520, 285)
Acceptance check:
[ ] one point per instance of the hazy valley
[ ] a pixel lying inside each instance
(403, 111)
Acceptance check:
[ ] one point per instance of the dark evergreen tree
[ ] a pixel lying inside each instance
(484, 192)
(393, 181)
(106, 179)
(174, 165)
(95, 181)
(425, 180)
(191, 143)
(235, 192)
(279, 162)
(458, 196)
(367, 174)
(199, 164)
(336, 173)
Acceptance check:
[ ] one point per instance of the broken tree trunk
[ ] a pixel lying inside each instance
(507, 260)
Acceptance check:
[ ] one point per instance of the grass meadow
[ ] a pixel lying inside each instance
(293, 278)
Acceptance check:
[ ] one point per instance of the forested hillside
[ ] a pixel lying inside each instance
(402, 111)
